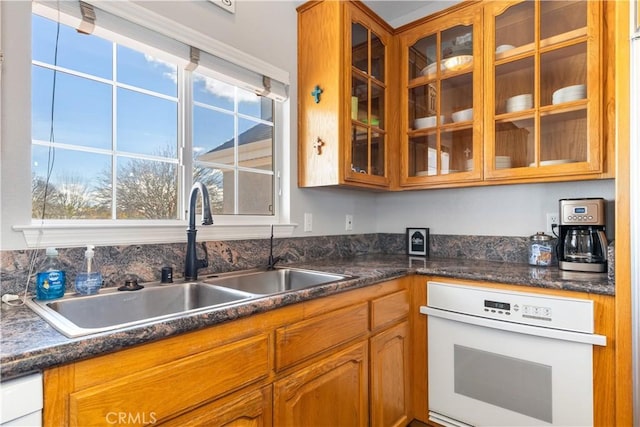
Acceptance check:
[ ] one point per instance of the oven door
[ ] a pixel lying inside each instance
(483, 375)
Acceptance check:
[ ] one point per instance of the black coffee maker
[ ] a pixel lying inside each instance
(582, 243)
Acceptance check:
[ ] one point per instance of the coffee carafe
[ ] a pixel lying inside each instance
(582, 243)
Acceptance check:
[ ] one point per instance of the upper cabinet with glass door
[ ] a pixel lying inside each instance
(366, 152)
(543, 74)
(344, 72)
(441, 69)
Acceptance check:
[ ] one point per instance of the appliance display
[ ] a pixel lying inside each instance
(509, 358)
(582, 243)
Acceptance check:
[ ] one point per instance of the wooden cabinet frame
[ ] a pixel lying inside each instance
(243, 369)
(331, 24)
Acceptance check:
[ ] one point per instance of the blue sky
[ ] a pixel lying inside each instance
(146, 123)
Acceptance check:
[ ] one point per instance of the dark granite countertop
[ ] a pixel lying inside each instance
(28, 343)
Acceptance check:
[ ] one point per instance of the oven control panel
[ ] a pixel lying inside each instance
(527, 311)
(535, 312)
(571, 314)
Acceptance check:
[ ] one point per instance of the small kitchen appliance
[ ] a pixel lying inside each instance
(582, 243)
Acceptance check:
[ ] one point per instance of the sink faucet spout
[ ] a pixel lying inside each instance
(192, 263)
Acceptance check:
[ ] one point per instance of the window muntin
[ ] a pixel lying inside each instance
(106, 133)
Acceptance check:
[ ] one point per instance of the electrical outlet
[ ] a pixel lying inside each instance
(348, 225)
(308, 224)
(552, 218)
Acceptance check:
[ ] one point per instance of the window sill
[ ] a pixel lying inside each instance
(108, 234)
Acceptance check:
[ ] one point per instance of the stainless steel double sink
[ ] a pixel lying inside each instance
(75, 315)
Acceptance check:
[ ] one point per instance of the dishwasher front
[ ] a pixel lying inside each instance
(21, 401)
(507, 358)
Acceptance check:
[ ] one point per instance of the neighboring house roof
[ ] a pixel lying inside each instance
(256, 133)
(255, 149)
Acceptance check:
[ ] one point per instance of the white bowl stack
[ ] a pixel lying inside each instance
(503, 162)
(426, 122)
(519, 102)
(569, 93)
(462, 115)
(504, 47)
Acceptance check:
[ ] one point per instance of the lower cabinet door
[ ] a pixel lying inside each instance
(390, 363)
(242, 409)
(330, 392)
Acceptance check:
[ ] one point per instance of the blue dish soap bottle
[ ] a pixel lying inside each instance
(50, 284)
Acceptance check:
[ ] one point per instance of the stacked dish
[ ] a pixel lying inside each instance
(503, 162)
(519, 103)
(553, 162)
(430, 70)
(468, 164)
(426, 122)
(504, 48)
(462, 115)
(457, 63)
(569, 93)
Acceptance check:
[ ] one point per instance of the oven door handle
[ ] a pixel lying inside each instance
(518, 328)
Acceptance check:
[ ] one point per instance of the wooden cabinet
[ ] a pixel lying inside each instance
(132, 393)
(390, 382)
(483, 93)
(338, 360)
(544, 89)
(332, 392)
(442, 99)
(345, 121)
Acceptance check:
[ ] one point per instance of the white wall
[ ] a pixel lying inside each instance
(268, 30)
(505, 210)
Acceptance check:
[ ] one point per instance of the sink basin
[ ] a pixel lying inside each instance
(75, 315)
(269, 282)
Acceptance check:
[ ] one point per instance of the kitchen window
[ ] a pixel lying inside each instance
(136, 117)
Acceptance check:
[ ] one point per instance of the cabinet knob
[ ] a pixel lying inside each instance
(318, 146)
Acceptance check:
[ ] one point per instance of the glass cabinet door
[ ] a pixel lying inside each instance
(368, 129)
(441, 142)
(546, 102)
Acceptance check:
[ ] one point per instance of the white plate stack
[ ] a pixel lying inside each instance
(426, 122)
(468, 164)
(519, 102)
(569, 93)
(503, 162)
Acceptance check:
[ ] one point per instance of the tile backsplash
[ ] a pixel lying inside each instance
(144, 262)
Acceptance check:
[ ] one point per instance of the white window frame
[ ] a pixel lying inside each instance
(60, 233)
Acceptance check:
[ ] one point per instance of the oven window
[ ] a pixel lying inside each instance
(510, 383)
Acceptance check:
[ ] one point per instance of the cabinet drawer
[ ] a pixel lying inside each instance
(304, 339)
(389, 309)
(157, 393)
(250, 408)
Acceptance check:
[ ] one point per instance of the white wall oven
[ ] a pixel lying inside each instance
(502, 358)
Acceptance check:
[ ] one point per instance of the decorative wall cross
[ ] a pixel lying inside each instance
(316, 93)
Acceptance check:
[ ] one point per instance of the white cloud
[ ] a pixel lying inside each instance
(211, 85)
(224, 90)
